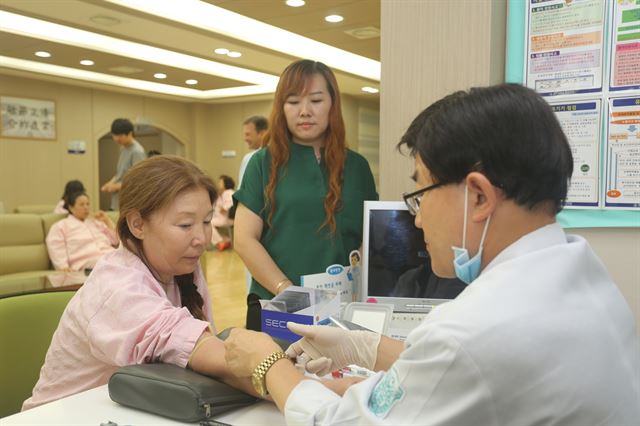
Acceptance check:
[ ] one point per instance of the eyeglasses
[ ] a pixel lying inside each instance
(412, 199)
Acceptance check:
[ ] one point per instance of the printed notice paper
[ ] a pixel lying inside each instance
(622, 186)
(565, 46)
(625, 45)
(580, 122)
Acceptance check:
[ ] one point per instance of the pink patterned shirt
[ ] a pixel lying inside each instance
(77, 244)
(59, 209)
(122, 315)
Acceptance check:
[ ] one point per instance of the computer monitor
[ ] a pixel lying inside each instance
(396, 267)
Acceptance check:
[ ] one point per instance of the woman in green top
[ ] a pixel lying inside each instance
(301, 201)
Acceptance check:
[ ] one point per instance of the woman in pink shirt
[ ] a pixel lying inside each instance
(78, 241)
(147, 301)
(221, 209)
(71, 187)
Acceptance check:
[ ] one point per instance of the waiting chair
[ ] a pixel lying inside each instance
(35, 208)
(27, 323)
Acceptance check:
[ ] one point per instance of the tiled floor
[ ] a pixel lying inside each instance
(227, 287)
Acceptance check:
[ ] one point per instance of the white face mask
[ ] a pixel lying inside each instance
(467, 269)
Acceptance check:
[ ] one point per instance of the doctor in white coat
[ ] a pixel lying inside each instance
(540, 336)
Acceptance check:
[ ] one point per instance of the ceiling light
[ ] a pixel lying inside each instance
(364, 33)
(87, 62)
(295, 3)
(131, 83)
(221, 51)
(234, 54)
(368, 89)
(36, 28)
(333, 18)
(160, 75)
(191, 82)
(205, 16)
(43, 54)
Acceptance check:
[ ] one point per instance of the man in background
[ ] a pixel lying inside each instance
(131, 152)
(253, 130)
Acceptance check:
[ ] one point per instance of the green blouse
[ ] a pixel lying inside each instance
(295, 241)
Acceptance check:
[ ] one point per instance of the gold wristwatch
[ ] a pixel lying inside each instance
(258, 376)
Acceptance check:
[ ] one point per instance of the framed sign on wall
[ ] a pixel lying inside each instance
(27, 118)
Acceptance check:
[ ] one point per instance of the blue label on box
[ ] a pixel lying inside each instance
(274, 323)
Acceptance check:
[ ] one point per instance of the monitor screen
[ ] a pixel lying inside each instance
(396, 267)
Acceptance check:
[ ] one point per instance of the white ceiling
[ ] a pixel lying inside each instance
(131, 40)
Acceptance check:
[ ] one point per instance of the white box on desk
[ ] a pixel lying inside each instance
(322, 304)
(337, 277)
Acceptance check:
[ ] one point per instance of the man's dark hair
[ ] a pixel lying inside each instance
(259, 121)
(228, 182)
(121, 126)
(507, 132)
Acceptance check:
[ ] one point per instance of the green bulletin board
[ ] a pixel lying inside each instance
(514, 73)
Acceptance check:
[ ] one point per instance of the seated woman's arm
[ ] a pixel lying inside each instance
(208, 358)
(57, 248)
(109, 229)
(137, 324)
(247, 232)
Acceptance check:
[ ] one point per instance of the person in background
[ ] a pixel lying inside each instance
(153, 153)
(147, 301)
(222, 212)
(253, 130)
(72, 187)
(300, 204)
(541, 335)
(77, 242)
(130, 153)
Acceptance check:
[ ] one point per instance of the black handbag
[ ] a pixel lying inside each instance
(174, 392)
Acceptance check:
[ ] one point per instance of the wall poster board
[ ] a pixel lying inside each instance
(583, 57)
(27, 118)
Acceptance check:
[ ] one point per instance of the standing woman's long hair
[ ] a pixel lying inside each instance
(149, 186)
(294, 81)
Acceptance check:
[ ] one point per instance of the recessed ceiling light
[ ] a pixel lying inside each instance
(206, 16)
(56, 33)
(295, 3)
(160, 75)
(131, 83)
(333, 18)
(368, 89)
(191, 82)
(87, 62)
(234, 54)
(43, 54)
(221, 51)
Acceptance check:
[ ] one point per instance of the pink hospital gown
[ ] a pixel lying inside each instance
(78, 244)
(122, 315)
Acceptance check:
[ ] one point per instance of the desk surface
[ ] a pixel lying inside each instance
(94, 406)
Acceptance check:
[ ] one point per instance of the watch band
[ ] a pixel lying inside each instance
(258, 376)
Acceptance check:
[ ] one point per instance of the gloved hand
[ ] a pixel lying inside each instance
(331, 348)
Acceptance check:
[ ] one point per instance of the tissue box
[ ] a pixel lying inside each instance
(297, 304)
(343, 279)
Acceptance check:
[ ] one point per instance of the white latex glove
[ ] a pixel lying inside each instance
(325, 349)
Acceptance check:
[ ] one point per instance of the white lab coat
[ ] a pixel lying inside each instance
(542, 336)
